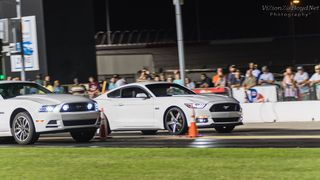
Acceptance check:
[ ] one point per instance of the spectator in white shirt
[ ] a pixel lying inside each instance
(255, 71)
(289, 86)
(315, 80)
(301, 79)
(266, 78)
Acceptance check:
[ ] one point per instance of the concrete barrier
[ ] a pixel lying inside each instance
(294, 111)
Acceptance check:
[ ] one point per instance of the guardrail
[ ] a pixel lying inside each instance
(257, 94)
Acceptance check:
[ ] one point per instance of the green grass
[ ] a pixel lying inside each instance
(151, 164)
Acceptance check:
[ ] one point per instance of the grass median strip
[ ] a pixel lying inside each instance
(140, 164)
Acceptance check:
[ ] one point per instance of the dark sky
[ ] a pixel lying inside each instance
(222, 19)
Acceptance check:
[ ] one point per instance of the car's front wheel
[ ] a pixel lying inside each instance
(175, 121)
(83, 135)
(23, 130)
(224, 128)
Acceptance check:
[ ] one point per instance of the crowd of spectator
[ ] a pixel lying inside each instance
(296, 83)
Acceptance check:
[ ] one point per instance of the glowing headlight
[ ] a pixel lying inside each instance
(90, 106)
(196, 105)
(65, 107)
(47, 108)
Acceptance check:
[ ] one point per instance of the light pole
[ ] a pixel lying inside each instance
(23, 68)
(177, 4)
(108, 22)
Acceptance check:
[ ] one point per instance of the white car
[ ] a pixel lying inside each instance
(28, 110)
(151, 106)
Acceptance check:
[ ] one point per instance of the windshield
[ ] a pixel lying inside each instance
(12, 90)
(163, 90)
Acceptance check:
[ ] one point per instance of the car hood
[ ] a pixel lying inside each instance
(212, 98)
(52, 99)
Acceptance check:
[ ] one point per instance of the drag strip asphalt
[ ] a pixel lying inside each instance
(259, 135)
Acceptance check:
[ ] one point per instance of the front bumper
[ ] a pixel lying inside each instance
(205, 118)
(65, 121)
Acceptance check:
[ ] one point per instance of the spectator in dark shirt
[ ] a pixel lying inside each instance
(236, 80)
(232, 71)
(205, 81)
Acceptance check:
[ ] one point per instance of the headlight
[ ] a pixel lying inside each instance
(65, 107)
(47, 108)
(196, 105)
(90, 106)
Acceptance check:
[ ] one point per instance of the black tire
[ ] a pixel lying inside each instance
(224, 129)
(175, 121)
(83, 135)
(149, 132)
(23, 130)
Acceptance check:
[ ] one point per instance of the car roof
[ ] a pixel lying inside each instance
(145, 83)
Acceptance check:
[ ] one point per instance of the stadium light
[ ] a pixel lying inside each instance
(295, 2)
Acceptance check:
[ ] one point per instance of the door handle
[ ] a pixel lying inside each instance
(120, 104)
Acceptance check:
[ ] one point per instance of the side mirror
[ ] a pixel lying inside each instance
(141, 95)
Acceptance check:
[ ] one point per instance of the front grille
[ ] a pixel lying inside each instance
(221, 120)
(77, 107)
(79, 122)
(225, 107)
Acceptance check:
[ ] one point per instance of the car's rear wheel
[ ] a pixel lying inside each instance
(224, 129)
(149, 132)
(83, 135)
(175, 121)
(23, 130)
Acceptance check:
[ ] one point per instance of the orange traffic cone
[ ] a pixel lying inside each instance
(103, 126)
(193, 130)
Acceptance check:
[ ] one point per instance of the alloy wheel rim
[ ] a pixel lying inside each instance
(174, 121)
(21, 128)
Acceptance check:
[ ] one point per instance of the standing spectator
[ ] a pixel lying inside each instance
(47, 78)
(162, 77)
(57, 88)
(9, 78)
(39, 79)
(177, 79)
(94, 88)
(250, 80)
(190, 84)
(142, 76)
(156, 78)
(77, 88)
(48, 85)
(315, 81)
(288, 84)
(232, 71)
(237, 80)
(120, 81)
(301, 79)
(255, 71)
(266, 78)
(205, 81)
(170, 79)
(219, 80)
(112, 83)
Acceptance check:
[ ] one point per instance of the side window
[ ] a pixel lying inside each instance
(114, 94)
(132, 92)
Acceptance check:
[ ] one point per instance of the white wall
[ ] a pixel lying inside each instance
(281, 111)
